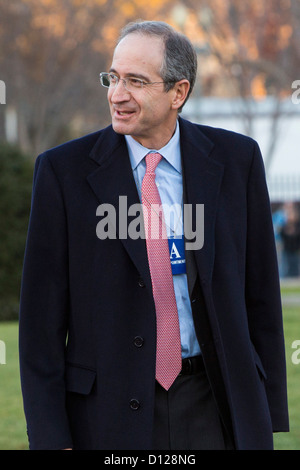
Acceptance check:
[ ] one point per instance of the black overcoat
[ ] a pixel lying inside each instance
(87, 316)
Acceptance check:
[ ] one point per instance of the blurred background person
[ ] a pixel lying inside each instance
(279, 218)
(290, 234)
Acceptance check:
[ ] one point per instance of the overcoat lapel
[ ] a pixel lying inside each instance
(202, 182)
(112, 179)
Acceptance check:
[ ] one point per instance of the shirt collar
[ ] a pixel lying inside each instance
(171, 151)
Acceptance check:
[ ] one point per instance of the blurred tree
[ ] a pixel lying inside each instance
(52, 52)
(255, 46)
(252, 41)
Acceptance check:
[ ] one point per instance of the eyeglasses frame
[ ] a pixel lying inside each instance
(124, 80)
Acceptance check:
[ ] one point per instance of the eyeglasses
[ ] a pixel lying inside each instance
(110, 80)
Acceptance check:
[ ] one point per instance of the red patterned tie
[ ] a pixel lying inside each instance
(168, 354)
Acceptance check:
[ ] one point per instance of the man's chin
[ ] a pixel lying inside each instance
(120, 128)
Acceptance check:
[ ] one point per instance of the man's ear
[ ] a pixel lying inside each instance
(180, 92)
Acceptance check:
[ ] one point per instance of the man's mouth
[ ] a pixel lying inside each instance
(120, 113)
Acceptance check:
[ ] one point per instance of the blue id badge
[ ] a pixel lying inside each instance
(177, 255)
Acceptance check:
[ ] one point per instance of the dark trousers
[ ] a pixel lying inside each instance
(186, 416)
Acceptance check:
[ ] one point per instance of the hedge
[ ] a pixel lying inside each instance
(16, 171)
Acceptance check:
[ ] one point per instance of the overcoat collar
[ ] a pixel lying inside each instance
(202, 178)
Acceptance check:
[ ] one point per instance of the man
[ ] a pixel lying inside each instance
(98, 308)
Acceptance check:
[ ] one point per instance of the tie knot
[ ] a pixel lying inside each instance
(152, 160)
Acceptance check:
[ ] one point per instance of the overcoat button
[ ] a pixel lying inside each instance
(134, 404)
(138, 341)
(141, 282)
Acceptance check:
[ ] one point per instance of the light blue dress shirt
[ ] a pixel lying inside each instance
(169, 183)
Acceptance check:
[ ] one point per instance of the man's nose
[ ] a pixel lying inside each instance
(120, 93)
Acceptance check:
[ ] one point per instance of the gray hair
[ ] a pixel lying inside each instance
(180, 59)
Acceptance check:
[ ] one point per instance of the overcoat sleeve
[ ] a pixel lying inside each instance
(43, 314)
(263, 293)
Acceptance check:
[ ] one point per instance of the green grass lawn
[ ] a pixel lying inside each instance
(291, 440)
(12, 423)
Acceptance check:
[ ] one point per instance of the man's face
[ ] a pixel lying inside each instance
(147, 114)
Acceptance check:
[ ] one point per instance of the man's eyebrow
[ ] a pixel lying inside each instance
(135, 75)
